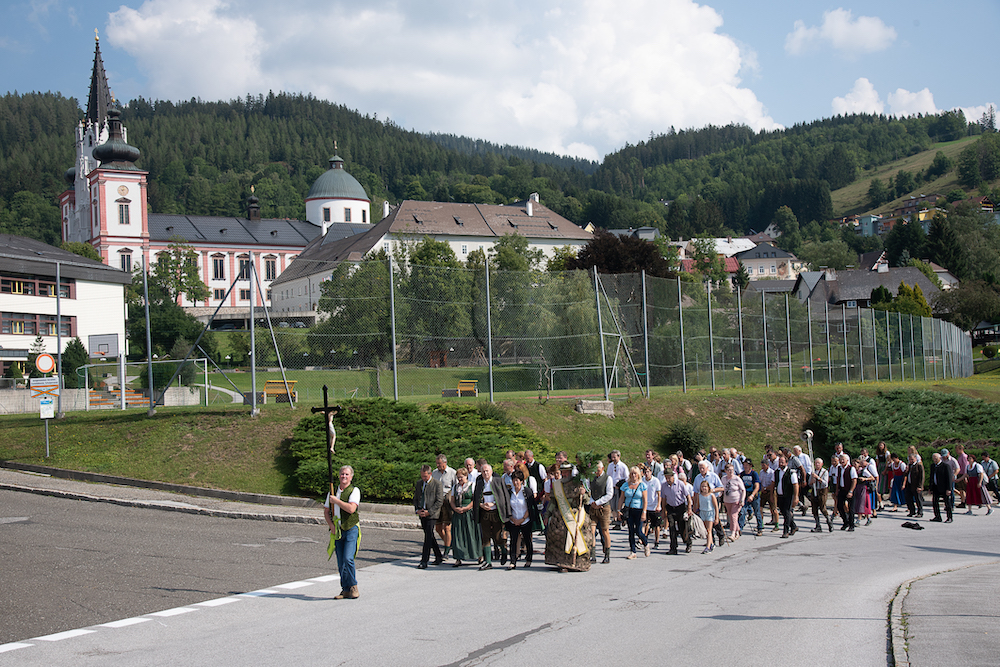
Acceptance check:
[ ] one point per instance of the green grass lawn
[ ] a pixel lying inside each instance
(222, 447)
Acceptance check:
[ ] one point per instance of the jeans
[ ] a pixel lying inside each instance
(633, 516)
(347, 548)
(754, 507)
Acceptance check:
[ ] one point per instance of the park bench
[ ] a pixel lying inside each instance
(465, 388)
(276, 390)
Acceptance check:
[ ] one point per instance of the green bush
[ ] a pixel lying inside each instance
(387, 442)
(684, 436)
(901, 418)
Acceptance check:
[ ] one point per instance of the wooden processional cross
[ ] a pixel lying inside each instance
(331, 434)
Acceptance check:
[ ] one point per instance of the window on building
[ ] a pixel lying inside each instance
(34, 285)
(123, 214)
(760, 270)
(385, 246)
(465, 249)
(326, 214)
(30, 324)
(852, 304)
(364, 216)
(219, 294)
(218, 268)
(774, 269)
(268, 295)
(244, 269)
(347, 215)
(270, 269)
(244, 295)
(126, 262)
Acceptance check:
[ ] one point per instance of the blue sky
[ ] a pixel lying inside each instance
(581, 77)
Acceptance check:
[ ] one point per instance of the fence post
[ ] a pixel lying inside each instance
(788, 340)
(888, 345)
(874, 343)
(680, 319)
(711, 338)
(392, 331)
(254, 411)
(934, 350)
(847, 364)
(645, 331)
(739, 311)
(913, 352)
(861, 348)
(489, 326)
(829, 359)
(763, 319)
(600, 331)
(149, 349)
(899, 328)
(809, 321)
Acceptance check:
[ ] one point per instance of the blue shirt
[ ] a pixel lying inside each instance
(633, 497)
(749, 479)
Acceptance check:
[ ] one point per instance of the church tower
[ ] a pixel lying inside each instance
(105, 204)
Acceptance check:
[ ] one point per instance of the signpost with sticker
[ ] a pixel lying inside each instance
(46, 390)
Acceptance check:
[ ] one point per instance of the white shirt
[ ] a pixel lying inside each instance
(617, 471)
(518, 504)
(807, 464)
(447, 478)
(652, 492)
(354, 498)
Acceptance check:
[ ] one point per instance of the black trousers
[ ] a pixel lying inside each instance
(949, 501)
(914, 501)
(677, 525)
(518, 534)
(787, 513)
(430, 542)
(845, 507)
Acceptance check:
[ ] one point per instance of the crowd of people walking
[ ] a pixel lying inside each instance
(482, 517)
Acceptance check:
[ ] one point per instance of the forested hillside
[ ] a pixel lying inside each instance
(202, 158)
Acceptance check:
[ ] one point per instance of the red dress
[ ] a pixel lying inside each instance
(973, 490)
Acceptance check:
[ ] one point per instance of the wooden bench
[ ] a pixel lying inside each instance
(465, 388)
(276, 389)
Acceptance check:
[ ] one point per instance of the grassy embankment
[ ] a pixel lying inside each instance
(222, 447)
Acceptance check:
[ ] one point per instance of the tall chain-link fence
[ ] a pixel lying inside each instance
(434, 331)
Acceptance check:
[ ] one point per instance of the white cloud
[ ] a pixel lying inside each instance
(840, 30)
(975, 113)
(863, 98)
(589, 77)
(904, 103)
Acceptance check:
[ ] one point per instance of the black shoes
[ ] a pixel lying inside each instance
(438, 560)
(486, 566)
(687, 549)
(947, 520)
(422, 566)
(607, 558)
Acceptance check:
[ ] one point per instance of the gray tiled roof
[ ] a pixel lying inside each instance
(771, 286)
(422, 217)
(19, 254)
(324, 255)
(231, 231)
(858, 285)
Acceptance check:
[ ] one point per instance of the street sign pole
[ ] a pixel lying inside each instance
(46, 389)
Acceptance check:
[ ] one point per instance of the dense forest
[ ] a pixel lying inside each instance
(202, 158)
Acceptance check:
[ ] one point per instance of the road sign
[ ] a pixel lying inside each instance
(47, 407)
(44, 387)
(45, 363)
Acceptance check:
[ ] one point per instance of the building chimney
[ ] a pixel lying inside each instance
(528, 207)
(533, 197)
(385, 209)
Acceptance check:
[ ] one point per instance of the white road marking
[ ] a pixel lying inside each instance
(59, 636)
(325, 578)
(176, 611)
(257, 594)
(217, 603)
(13, 646)
(295, 584)
(124, 623)
(14, 519)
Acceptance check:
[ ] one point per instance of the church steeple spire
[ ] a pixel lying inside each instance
(99, 100)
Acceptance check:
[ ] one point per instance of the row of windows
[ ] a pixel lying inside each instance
(31, 324)
(37, 286)
(347, 215)
(220, 294)
(219, 269)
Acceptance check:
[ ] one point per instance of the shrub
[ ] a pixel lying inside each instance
(387, 442)
(901, 418)
(684, 436)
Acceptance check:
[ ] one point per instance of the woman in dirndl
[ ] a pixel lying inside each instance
(973, 487)
(863, 492)
(897, 470)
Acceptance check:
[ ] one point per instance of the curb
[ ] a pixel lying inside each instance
(897, 623)
(253, 516)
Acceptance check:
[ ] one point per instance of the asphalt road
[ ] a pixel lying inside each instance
(69, 564)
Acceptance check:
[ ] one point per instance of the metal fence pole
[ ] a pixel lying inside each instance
(902, 364)
(763, 319)
(254, 411)
(600, 332)
(711, 339)
(489, 328)
(934, 351)
(392, 331)
(888, 345)
(645, 331)
(149, 349)
(809, 321)
(743, 363)
(913, 352)
(788, 340)
(874, 342)
(861, 347)
(680, 319)
(829, 359)
(847, 365)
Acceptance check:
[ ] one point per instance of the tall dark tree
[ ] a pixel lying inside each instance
(945, 249)
(615, 254)
(908, 238)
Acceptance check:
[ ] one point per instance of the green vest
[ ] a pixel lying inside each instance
(351, 520)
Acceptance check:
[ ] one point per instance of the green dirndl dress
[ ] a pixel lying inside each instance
(466, 543)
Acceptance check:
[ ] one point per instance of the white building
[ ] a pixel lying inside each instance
(91, 298)
(464, 227)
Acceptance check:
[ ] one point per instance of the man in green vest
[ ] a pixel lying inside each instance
(341, 512)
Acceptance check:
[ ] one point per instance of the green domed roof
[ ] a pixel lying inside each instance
(336, 183)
